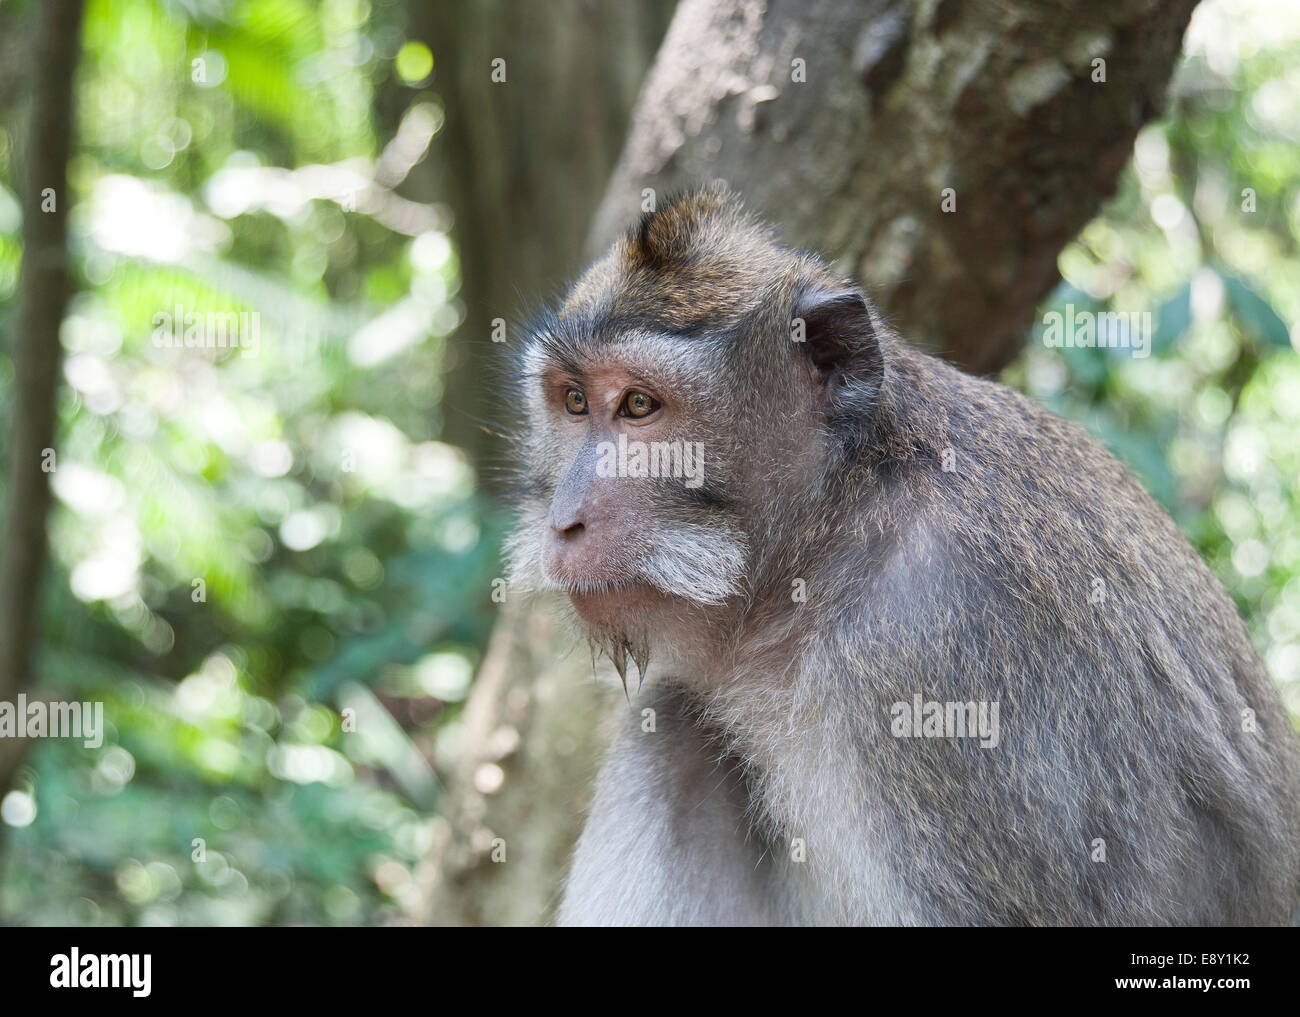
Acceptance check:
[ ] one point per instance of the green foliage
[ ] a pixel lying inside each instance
(1204, 232)
(250, 543)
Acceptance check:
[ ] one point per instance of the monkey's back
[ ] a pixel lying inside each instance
(1146, 772)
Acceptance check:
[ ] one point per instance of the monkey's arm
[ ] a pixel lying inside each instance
(666, 842)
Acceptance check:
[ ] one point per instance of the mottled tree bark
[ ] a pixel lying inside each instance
(995, 99)
(35, 348)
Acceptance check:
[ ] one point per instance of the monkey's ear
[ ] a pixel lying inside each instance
(841, 345)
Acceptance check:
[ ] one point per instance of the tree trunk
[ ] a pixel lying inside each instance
(522, 162)
(996, 100)
(36, 351)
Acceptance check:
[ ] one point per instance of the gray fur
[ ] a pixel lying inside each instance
(1122, 721)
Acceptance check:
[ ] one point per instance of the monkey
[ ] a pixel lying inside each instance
(908, 649)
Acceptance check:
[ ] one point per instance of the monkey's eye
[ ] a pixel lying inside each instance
(575, 402)
(638, 404)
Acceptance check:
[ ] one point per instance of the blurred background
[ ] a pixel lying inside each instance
(248, 545)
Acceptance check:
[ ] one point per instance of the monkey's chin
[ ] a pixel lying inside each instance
(621, 607)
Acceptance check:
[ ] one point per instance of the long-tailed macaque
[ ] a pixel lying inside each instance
(905, 647)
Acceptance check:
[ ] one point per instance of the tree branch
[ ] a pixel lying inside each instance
(35, 347)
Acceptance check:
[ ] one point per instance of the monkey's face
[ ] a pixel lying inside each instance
(681, 410)
(626, 476)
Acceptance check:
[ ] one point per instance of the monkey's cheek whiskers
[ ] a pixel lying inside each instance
(525, 570)
(697, 563)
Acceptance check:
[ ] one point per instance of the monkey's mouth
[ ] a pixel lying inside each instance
(612, 603)
(593, 579)
(619, 590)
(598, 587)
(666, 568)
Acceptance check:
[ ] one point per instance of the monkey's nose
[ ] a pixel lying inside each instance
(565, 546)
(567, 522)
(568, 518)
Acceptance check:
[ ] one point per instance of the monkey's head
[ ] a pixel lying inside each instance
(689, 406)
